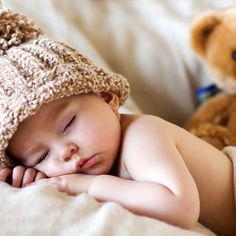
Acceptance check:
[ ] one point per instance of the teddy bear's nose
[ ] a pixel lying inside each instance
(234, 55)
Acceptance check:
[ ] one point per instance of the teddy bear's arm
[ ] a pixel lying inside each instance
(215, 111)
(216, 135)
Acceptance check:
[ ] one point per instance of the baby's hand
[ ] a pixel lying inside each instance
(20, 176)
(72, 184)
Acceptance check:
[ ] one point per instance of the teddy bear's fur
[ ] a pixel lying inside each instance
(213, 38)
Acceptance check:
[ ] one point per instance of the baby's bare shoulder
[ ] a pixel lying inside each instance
(143, 123)
(149, 143)
(140, 133)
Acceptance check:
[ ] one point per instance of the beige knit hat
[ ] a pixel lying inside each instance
(36, 71)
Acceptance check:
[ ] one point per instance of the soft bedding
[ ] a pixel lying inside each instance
(144, 40)
(42, 210)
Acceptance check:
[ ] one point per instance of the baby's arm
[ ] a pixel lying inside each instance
(162, 186)
(20, 176)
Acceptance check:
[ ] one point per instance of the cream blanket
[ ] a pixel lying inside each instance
(42, 210)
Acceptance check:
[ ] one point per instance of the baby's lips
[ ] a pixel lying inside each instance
(80, 162)
(89, 162)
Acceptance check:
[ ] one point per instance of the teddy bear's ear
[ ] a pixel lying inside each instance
(202, 29)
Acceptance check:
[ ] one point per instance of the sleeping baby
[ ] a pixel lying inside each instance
(61, 126)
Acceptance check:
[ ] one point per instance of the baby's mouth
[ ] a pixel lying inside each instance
(86, 163)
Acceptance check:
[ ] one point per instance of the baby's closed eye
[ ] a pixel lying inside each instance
(68, 124)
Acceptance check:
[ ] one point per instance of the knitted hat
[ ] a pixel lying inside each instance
(36, 71)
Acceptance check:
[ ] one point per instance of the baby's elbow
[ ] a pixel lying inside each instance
(188, 222)
(189, 213)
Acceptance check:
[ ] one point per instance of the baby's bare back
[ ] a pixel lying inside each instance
(210, 168)
(213, 173)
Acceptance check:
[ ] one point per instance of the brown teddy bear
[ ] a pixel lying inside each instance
(213, 38)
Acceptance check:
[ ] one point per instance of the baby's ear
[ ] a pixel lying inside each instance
(202, 28)
(111, 99)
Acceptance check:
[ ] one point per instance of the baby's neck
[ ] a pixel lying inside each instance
(119, 168)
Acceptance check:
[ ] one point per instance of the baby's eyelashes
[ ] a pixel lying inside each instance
(69, 124)
(44, 156)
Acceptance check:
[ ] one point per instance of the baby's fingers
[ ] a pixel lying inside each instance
(4, 173)
(17, 176)
(29, 176)
(39, 176)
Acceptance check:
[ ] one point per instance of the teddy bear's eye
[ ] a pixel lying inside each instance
(234, 55)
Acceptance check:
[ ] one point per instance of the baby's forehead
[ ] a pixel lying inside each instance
(46, 114)
(59, 104)
(42, 120)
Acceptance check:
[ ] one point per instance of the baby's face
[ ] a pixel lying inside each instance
(75, 134)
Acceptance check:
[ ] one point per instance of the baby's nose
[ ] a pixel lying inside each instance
(69, 151)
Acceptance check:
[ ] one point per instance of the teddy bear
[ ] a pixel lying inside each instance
(213, 39)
